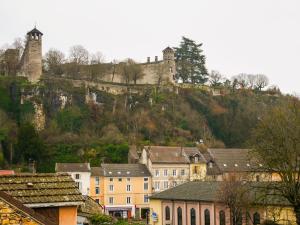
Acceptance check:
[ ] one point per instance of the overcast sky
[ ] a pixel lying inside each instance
(250, 36)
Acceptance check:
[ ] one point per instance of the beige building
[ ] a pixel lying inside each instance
(122, 189)
(169, 166)
(198, 203)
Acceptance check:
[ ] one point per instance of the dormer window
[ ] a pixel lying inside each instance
(210, 164)
(225, 165)
(236, 165)
(196, 159)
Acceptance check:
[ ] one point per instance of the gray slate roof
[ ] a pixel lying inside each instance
(233, 160)
(41, 188)
(208, 191)
(72, 167)
(125, 170)
(97, 171)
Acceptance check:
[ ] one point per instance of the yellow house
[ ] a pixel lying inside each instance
(197, 203)
(122, 189)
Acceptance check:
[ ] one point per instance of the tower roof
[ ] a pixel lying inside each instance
(168, 49)
(34, 31)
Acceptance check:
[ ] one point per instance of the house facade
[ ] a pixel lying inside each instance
(122, 189)
(80, 172)
(198, 203)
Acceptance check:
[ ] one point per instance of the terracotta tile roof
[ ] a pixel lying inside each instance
(25, 211)
(52, 189)
(72, 167)
(125, 170)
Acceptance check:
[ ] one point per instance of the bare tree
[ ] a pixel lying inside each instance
(261, 81)
(234, 193)
(276, 144)
(130, 71)
(79, 55)
(215, 78)
(160, 71)
(97, 58)
(19, 44)
(53, 61)
(241, 79)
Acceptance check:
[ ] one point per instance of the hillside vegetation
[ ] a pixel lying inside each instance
(102, 131)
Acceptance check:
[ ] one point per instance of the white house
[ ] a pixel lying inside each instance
(80, 172)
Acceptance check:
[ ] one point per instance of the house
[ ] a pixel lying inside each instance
(80, 172)
(88, 209)
(13, 211)
(171, 166)
(54, 196)
(123, 189)
(199, 203)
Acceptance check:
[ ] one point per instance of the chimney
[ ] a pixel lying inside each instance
(156, 58)
(148, 59)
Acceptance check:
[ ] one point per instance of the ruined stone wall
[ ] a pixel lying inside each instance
(153, 71)
(11, 216)
(31, 61)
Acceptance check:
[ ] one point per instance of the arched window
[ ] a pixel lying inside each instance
(206, 217)
(222, 217)
(167, 213)
(256, 218)
(179, 216)
(193, 216)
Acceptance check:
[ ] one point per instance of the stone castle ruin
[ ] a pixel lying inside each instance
(31, 60)
(30, 64)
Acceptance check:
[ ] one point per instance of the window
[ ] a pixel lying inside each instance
(166, 184)
(256, 218)
(182, 172)
(174, 173)
(119, 179)
(146, 186)
(77, 176)
(156, 185)
(111, 200)
(128, 179)
(174, 183)
(165, 173)
(111, 179)
(206, 217)
(97, 200)
(97, 191)
(146, 178)
(257, 178)
(179, 216)
(167, 213)
(111, 187)
(193, 216)
(128, 187)
(97, 180)
(222, 217)
(157, 173)
(196, 159)
(128, 200)
(79, 185)
(146, 198)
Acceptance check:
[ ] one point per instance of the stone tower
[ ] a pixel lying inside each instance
(31, 60)
(169, 60)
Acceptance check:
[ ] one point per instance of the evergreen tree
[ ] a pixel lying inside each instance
(190, 62)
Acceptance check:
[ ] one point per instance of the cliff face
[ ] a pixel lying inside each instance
(158, 116)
